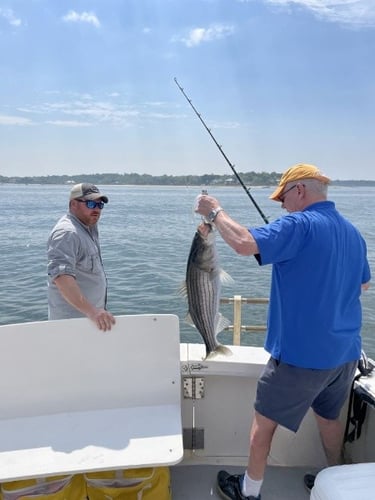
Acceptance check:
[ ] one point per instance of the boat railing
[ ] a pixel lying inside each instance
(237, 326)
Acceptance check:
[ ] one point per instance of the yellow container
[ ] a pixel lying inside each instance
(129, 484)
(46, 488)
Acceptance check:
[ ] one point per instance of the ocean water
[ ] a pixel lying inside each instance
(146, 233)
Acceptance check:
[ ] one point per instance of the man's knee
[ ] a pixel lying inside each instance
(262, 431)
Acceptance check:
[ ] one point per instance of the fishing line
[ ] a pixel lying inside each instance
(247, 190)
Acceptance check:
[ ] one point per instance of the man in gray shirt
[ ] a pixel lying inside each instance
(77, 284)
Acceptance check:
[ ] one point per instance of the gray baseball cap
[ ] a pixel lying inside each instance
(87, 191)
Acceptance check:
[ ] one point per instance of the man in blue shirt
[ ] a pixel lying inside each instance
(319, 268)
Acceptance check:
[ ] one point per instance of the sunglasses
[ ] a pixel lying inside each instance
(282, 196)
(93, 204)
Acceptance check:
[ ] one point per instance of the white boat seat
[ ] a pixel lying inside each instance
(345, 482)
(75, 399)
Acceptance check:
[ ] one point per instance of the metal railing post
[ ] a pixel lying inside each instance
(237, 327)
(237, 310)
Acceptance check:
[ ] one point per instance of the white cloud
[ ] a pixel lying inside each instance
(84, 110)
(68, 123)
(9, 16)
(226, 125)
(14, 120)
(84, 17)
(349, 12)
(200, 35)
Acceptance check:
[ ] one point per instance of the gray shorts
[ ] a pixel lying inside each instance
(286, 392)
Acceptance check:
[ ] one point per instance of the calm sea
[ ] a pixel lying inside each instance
(146, 233)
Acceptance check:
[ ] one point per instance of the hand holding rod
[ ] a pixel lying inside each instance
(247, 190)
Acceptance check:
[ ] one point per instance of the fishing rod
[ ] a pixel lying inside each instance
(247, 190)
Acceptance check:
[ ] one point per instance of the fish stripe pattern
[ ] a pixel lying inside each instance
(203, 287)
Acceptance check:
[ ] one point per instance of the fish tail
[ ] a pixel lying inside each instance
(219, 350)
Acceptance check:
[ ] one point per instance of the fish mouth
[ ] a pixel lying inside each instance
(205, 229)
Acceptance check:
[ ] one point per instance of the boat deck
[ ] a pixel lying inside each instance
(198, 482)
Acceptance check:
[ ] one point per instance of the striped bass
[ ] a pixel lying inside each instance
(202, 288)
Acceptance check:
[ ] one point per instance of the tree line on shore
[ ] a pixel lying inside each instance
(248, 178)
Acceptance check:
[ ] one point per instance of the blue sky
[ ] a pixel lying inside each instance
(88, 86)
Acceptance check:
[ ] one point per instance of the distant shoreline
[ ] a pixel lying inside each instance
(250, 179)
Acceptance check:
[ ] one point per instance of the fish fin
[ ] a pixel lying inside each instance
(220, 350)
(183, 289)
(221, 323)
(189, 321)
(225, 277)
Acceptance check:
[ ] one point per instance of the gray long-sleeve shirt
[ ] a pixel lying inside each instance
(73, 249)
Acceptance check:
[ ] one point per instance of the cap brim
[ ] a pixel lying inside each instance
(96, 196)
(275, 195)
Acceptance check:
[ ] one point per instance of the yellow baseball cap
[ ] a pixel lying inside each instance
(297, 173)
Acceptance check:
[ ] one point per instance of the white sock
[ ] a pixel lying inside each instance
(250, 487)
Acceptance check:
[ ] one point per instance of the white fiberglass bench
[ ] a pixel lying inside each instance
(75, 399)
(345, 482)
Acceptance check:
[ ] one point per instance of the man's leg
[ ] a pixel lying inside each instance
(332, 435)
(261, 434)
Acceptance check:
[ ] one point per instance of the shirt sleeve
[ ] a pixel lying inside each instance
(280, 240)
(62, 252)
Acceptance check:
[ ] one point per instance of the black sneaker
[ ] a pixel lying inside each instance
(309, 480)
(230, 487)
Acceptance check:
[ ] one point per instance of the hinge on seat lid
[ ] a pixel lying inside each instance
(193, 387)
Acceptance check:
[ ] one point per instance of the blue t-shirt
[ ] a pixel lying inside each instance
(319, 264)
